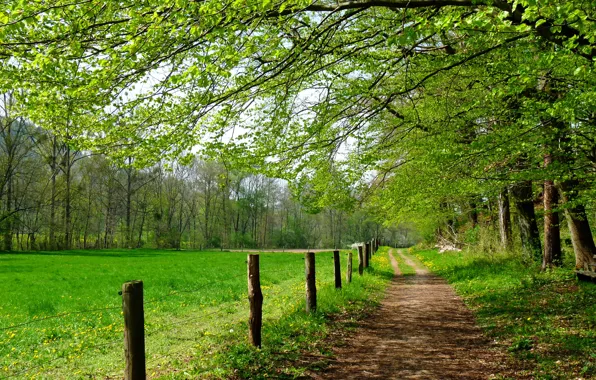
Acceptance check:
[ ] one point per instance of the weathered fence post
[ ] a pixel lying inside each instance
(349, 270)
(134, 330)
(366, 255)
(311, 286)
(337, 269)
(360, 260)
(255, 297)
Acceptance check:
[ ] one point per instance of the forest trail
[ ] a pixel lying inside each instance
(422, 330)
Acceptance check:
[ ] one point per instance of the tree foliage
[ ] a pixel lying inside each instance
(413, 103)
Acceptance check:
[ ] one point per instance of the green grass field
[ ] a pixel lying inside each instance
(195, 312)
(546, 321)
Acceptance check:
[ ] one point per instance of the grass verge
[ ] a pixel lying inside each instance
(546, 321)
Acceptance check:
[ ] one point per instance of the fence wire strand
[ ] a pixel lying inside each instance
(60, 315)
(194, 290)
(87, 348)
(176, 324)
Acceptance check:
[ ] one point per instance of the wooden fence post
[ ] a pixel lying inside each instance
(311, 286)
(337, 269)
(366, 255)
(349, 270)
(360, 260)
(134, 330)
(255, 297)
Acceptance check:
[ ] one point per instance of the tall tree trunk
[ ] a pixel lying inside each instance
(526, 220)
(225, 198)
(8, 219)
(87, 216)
(505, 220)
(53, 166)
(10, 146)
(128, 205)
(552, 235)
(579, 227)
(67, 202)
(473, 213)
(140, 239)
(108, 218)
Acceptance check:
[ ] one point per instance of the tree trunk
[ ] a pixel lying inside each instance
(505, 220)
(473, 213)
(526, 220)
(140, 239)
(53, 197)
(8, 219)
(128, 238)
(579, 227)
(87, 216)
(67, 202)
(552, 235)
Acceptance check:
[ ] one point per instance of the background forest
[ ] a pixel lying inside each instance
(56, 197)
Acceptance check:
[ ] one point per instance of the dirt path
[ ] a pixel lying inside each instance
(421, 331)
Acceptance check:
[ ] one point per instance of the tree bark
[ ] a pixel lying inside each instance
(552, 235)
(8, 220)
(526, 220)
(473, 213)
(53, 166)
(579, 227)
(505, 220)
(128, 204)
(67, 200)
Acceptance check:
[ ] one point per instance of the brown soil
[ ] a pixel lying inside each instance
(422, 330)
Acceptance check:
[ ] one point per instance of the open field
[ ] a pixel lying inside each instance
(195, 311)
(546, 321)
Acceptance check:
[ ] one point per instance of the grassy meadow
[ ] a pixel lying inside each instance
(60, 312)
(546, 321)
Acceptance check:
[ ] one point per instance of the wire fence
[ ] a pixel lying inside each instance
(55, 316)
(157, 325)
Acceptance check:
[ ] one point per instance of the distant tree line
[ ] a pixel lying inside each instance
(55, 197)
